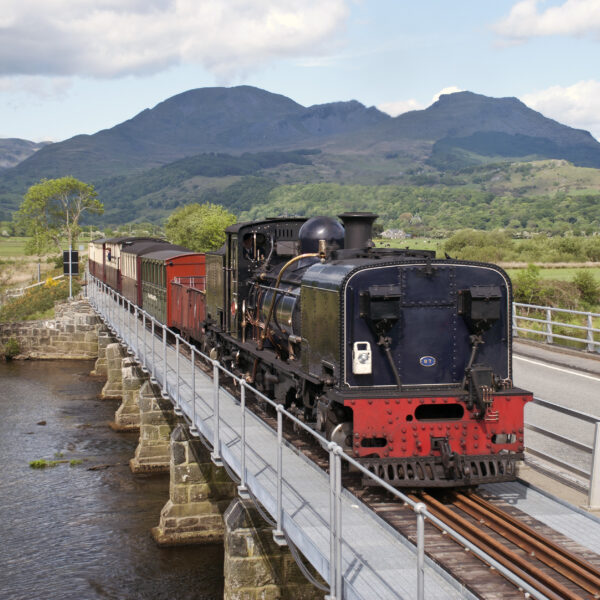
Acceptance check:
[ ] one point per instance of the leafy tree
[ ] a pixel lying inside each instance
(51, 210)
(199, 227)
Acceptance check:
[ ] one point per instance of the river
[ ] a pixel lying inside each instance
(82, 531)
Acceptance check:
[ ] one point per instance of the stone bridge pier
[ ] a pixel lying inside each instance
(202, 507)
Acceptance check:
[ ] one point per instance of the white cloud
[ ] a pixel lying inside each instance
(573, 18)
(401, 106)
(447, 90)
(113, 38)
(577, 105)
(34, 85)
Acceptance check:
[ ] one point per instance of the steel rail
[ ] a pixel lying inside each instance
(552, 589)
(566, 563)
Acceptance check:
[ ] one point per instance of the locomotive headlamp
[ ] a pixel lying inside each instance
(361, 358)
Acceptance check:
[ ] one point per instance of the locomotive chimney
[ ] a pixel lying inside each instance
(359, 229)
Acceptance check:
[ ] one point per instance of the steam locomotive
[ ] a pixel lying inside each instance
(401, 358)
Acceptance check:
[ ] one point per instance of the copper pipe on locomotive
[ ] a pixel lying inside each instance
(320, 254)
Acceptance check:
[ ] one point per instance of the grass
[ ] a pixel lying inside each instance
(417, 243)
(42, 463)
(13, 246)
(560, 274)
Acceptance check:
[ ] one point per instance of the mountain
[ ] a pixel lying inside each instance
(235, 120)
(14, 150)
(209, 129)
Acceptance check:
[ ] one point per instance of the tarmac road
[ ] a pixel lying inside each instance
(571, 380)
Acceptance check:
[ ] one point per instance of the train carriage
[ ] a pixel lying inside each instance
(131, 260)
(158, 270)
(96, 258)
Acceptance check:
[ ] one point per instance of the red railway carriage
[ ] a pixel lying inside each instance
(131, 261)
(159, 269)
(188, 305)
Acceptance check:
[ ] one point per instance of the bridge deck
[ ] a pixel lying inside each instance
(376, 561)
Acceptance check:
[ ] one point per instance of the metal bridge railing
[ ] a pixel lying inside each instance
(593, 474)
(16, 292)
(117, 312)
(525, 318)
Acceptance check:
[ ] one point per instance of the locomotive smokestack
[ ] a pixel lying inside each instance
(359, 229)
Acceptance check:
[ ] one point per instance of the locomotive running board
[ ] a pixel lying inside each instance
(429, 472)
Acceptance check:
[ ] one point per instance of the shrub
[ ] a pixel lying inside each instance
(11, 348)
(37, 301)
(526, 285)
(588, 287)
(559, 294)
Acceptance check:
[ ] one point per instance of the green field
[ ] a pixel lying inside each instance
(13, 246)
(561, 274)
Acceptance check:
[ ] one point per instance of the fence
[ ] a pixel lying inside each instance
(593, 475)
(118, 312)
(15, 293)
(542, 317)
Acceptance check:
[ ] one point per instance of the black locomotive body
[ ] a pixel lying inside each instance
(401, 358)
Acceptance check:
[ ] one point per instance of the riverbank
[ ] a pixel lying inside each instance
(72, 334)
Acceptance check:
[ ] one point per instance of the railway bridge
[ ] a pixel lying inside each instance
(354, 546)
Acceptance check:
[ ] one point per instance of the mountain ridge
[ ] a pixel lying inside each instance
(357, 143)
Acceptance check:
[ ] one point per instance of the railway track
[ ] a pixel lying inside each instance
(547, 566)
(541, 560)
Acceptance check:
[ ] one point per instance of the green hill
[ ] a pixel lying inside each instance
(246, 148)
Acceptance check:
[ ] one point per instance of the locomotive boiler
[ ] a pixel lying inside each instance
(401, 358)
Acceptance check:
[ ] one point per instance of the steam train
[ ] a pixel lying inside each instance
(402, 359)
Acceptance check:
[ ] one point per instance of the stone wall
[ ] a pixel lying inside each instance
(199, 493)
(72, 334)
(256, 568)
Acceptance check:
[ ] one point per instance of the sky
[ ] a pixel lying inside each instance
(78, 66)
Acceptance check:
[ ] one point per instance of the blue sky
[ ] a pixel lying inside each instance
(69, 67)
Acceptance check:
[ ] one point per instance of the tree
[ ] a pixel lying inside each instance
(51, 210)
(199, 227)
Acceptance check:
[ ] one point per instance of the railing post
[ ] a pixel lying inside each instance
(332, 523)
(177, 400)
(590, 333)
(164, 383)
(152, 357)
(419, 508)
(193, 428)
(137, 332)
(145, 363)
(242, 488)
(278, 535)
(128, 326)
(549, 336)
(216, 455)
(514, 320)
(338, 525)
(594, 493)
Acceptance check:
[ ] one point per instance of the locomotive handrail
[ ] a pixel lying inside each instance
(117, 311)
(593, 474)
(547, 333)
